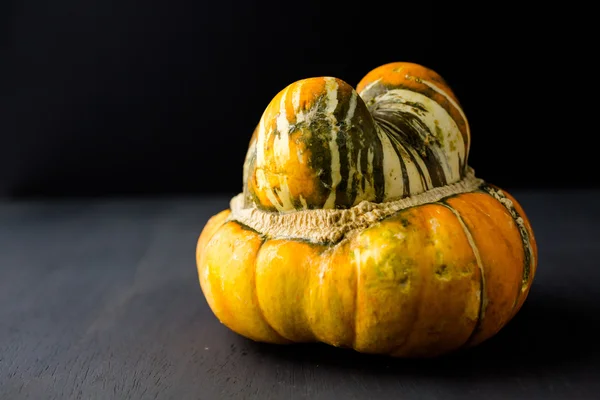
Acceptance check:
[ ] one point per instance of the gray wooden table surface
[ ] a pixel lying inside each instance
(99, 299)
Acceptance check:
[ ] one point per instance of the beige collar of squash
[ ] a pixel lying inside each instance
(331, 225)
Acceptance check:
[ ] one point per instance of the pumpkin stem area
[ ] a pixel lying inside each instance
(332, 225)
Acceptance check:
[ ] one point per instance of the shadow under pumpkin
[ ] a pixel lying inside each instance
(548, 330)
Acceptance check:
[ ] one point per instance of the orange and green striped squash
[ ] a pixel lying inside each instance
(361, 224)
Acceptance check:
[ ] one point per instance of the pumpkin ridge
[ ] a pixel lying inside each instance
(216, 294)
(529, 256)
(356, 299)
(415, 318)
(527, 248)
(212, 227)
(482, 289)
(382, 125)
(432, 137)
(408, 129)
(403, 168)
(213, 224)
(259, 309)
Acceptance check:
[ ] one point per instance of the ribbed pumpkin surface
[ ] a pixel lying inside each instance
(445, 271)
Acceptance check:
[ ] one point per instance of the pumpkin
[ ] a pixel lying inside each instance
(361, 224)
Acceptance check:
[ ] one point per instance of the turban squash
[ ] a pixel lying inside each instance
(361, 224)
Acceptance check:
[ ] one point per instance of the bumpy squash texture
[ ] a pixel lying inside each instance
(361, 225)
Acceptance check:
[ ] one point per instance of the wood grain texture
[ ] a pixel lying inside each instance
(100, 299)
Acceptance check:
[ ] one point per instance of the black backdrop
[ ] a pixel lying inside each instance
(127, 98)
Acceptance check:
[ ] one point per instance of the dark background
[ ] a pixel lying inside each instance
(100, 297)
(125, 98)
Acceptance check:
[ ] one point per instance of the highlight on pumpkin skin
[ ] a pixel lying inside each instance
(318, 145)
(330, 298)
(283, 300)
(229, 267)
(419, 291)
